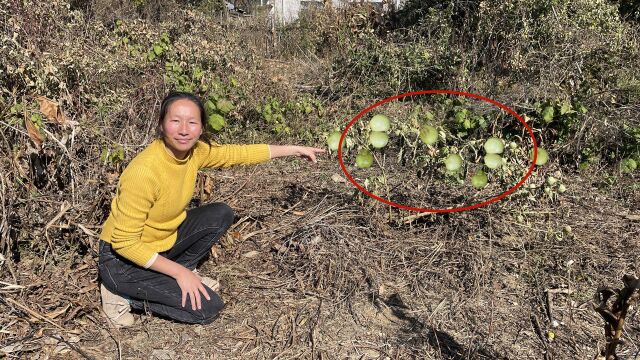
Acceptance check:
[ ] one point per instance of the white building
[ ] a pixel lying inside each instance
(288, 10)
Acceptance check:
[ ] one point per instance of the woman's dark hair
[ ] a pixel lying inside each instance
(178, 95)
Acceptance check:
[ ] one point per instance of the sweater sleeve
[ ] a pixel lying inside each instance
(134, 198)
(216, 155)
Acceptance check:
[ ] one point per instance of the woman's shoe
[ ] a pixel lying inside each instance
(117, 308)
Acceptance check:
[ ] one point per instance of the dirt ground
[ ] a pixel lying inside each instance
(312, 269)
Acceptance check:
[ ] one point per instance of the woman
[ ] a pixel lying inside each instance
(150, 245)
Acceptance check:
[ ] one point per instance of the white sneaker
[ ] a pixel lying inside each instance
(213, 284)
(117, 308)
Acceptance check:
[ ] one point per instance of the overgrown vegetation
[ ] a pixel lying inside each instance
(80, 86)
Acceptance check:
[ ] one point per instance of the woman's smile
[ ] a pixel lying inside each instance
(181, 127)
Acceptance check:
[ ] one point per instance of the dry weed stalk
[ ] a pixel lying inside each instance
(615, 315)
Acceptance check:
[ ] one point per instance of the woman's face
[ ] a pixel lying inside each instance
(181, 127)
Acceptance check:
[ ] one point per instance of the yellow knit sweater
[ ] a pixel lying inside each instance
(154, 191)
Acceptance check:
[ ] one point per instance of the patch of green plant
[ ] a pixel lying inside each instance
(279, 116)
(217, 108)
(16, 114)
(273, 113)
(464, 120)
(113, 155)
(159, 47)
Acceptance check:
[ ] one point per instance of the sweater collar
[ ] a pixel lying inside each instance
(166, 154)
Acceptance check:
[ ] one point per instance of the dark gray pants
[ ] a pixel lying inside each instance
(158, 293)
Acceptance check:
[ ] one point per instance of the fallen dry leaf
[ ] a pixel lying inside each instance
(34, 133)
(51, 110)
(279, 248)
(11, 348)
(251, 254)
(338, 178)
(87, 288)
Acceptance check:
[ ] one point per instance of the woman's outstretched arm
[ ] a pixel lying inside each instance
(308, 153)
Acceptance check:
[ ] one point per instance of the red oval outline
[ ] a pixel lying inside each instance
(451, 92)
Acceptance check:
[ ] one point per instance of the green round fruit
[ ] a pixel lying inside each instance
(428, 134)
(493, 161)
(561, 188)
(551, 180)
(543, 156)
(364, 159)
(378, 139)
(628, 165)
(479, 180)
(379, 122)
(333, 140)
(494, 146)
(453, 162)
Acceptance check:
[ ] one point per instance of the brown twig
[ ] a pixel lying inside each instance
(614, 315)
(34, 313)
(73, 347)
(63, 210)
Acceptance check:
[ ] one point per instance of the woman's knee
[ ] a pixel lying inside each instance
(210, 309)
(221, 212)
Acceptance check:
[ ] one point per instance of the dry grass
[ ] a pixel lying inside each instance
(315, 273)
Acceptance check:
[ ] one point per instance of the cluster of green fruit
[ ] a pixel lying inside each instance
(378, 138)
(493, 147)
(552, 183)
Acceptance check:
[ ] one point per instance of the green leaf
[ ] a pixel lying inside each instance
(104, 155)
(583, 165)
(480, 120)
(566, 108)
(547, 114)
(151, 56)
(225, 106)
(118, 155)
(210, 106)
(234, 82)
(186, 88)
(461, 115)
(37, 120)
(165, 38)
(197, 73)
(157, 49)
(216, 121)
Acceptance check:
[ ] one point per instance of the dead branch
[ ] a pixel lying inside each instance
(615, 314)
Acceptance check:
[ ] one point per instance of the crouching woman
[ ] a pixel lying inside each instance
(150, 244)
